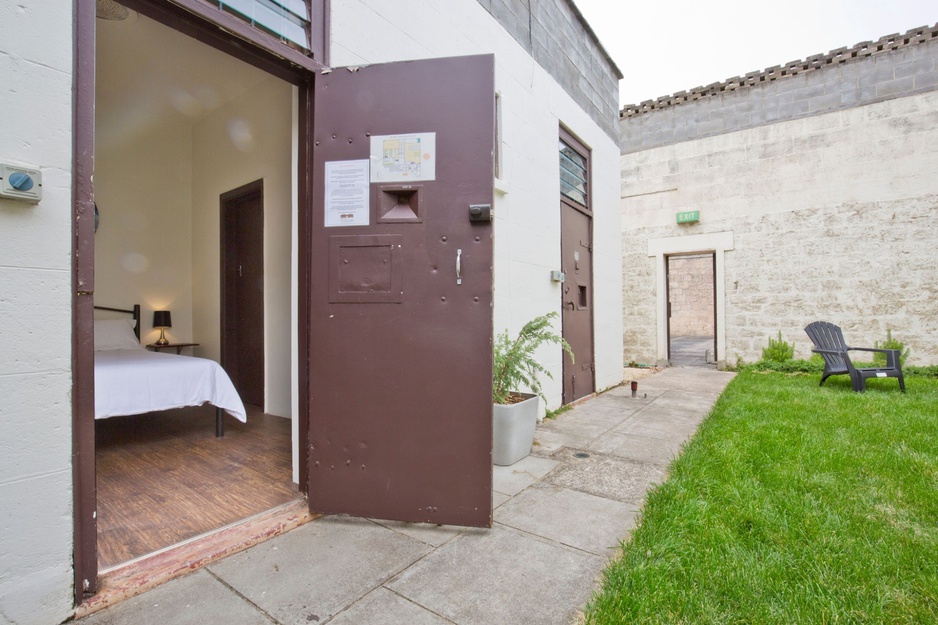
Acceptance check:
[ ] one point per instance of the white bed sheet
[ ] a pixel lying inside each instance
(136, 381)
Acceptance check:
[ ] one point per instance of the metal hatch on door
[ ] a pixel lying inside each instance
(400, 376)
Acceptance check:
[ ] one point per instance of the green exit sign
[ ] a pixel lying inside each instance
(688, 217)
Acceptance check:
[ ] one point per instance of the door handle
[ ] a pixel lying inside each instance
(458, 266)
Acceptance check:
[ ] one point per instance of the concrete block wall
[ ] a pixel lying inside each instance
(36, 575)
(895, 66)
(832, 215)
(555, 33)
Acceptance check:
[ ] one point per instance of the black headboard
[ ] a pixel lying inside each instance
(135, 311)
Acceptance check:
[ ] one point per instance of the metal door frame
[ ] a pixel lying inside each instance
(237, 38)
(667, 286)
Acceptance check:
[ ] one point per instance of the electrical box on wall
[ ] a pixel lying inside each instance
(20, 183)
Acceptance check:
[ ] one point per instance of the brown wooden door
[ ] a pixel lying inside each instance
(400, 372)
(577, 265)
(242, 305)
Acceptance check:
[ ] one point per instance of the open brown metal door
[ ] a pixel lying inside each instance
(400, 372)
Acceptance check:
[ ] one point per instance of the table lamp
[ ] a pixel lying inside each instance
(162, 320)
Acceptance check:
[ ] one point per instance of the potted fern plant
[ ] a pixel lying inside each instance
(515, 412)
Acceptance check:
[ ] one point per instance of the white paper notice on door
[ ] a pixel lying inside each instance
(403, 158)
(347, 193)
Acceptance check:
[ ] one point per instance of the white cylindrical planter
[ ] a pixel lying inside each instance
(513, 430)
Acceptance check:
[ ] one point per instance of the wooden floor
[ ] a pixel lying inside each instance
(163, 478)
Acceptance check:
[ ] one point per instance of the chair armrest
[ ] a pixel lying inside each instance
(842, 352)
(892, 355)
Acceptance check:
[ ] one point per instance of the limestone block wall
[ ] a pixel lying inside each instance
(690, 291)
(869, 267)
(832, 218)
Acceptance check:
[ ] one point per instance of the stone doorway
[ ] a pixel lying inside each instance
(691, 310)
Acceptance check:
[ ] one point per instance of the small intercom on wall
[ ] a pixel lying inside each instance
(20, 183)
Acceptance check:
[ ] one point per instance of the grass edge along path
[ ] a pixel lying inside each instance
(792, 504)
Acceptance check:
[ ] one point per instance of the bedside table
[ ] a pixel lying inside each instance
(177, 346)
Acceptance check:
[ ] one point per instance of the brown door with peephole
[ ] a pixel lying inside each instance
(242, 290)
(577, 315)
(576, 253)
(400, 373)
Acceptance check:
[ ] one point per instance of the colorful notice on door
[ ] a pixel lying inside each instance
(347, 193)
(403, 158)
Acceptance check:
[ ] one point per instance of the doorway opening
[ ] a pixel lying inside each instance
(691, 310)
(179, 123)
(715, 244)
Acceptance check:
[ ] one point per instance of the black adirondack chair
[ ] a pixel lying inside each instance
(829, 342)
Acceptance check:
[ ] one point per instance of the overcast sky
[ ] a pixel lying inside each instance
(665, 47)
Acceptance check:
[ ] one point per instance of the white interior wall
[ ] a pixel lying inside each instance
(158, 240)
(143, 189)
(249, 138)
(36, 575)
(527, 199)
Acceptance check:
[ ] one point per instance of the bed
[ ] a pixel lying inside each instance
(130, 380)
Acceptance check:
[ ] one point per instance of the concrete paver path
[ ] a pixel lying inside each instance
(559, 515)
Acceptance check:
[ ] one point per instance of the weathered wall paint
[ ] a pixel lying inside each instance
(35, 306)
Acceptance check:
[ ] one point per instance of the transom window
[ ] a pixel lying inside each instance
(287, 19)
(574, 175)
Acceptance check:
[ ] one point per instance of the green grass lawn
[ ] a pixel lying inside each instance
(792, 504)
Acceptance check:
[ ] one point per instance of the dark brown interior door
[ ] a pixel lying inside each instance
(242, 305)
(577, 265)
(400, 373)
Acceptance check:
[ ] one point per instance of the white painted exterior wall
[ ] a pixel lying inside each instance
(829, 217)
(36, 41)
(35, 308)
(527, 198)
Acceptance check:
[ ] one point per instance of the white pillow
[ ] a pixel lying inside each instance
(115, 334)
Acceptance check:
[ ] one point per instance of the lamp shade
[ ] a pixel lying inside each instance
(162, 319)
